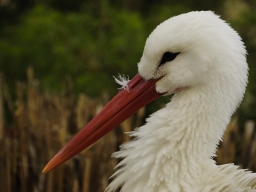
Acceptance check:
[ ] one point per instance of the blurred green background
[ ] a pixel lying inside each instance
(87, 42)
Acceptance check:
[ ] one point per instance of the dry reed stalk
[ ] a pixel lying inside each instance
(252, 157)
(252, 164)
(32, 102)
(49, 182)
(1, 109)
(139, 117)
(3, 171)
(75, 186)
(21, 134)
(126, 127)
(2, 153)
(82, 111)
(227, 149)
(6, 95)
(7, 173)
(86, 174)
(14, 161)
(246, 144)
(8, 167)
(59, 177)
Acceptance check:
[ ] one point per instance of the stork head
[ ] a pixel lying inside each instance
(191, 50)
(194, 49)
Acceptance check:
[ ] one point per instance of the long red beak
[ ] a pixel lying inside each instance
(122, 106)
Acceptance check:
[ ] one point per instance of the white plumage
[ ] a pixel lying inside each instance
(201, 60)
(173, 151)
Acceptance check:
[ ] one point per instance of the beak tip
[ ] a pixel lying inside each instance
(46, 169)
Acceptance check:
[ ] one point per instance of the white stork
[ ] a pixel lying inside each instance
(200, 59)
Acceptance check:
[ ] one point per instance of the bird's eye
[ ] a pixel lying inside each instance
(167, 56)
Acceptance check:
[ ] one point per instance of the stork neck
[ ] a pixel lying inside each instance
(188, 130)
(175, 146)
(198, 120)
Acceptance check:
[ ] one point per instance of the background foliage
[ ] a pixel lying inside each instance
(85, 43)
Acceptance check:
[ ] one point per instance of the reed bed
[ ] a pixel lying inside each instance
(43, 123)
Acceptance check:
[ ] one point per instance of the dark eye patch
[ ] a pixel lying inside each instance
(167, 56)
